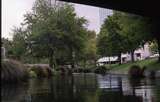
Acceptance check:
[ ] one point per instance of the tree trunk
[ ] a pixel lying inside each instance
(55, 62)
(109, 62)
(52, 60)
(158, 42)
(72, 59)
(51, 63)
(84, 63)
(119, 58)
(156, 27)
(132, 56)
(95, 63)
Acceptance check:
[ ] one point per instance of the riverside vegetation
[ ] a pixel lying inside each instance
(55, 35)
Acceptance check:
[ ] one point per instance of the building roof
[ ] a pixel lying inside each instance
(107, 59)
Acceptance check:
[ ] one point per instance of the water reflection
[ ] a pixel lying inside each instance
(84, 88)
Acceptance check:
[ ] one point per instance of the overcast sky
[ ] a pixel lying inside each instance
(13, 11)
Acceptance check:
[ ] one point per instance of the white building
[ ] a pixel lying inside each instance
(107, 60)
(139, 54)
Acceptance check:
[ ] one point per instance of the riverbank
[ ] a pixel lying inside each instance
(13, 71)
(150, 64)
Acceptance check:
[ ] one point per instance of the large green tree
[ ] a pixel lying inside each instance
(110, 40)
(136, 29)
(53, 28)
(123, 32)
(88, 55)
(19, 45)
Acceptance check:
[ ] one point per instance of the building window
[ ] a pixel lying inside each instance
(138, 55)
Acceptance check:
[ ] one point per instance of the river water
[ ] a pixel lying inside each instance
(84, 88)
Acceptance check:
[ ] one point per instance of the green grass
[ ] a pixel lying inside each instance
(151, 64)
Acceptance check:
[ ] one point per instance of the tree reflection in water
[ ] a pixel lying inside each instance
(84, 88)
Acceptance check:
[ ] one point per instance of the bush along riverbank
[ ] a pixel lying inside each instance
(13, 72)
(40, 71)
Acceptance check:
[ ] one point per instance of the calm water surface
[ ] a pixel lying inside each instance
(84, 88)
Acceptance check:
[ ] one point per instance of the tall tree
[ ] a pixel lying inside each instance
(155, 24)
(19, 46)
(88, 54)
(55, 27)
(136, 29)
(110, 40)
(125, 33)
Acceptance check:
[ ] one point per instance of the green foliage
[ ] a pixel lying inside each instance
(110, 41)
(123, 33)
(136, 29)
(55, 31)
(32, 74)
(8, 46)
(89, 52)
(150, 64)
(90, 45)
(100, 70)
(52, 32)
(154, 47)
(18, 47)
(41, 71)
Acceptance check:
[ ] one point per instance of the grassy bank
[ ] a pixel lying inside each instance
(150, 64)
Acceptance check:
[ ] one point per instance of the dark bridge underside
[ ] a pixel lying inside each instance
(149, 8)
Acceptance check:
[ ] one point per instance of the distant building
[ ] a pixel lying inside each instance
(139, 54)
(107, 60)
(103, 14)
(56, 2)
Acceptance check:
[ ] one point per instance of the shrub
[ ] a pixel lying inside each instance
(100, 70)
(32, 74)
(82, 70)
(13, 71)
(152, 74)
(87, 70)
(78, 70)
(42, 71)
(136, 71)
